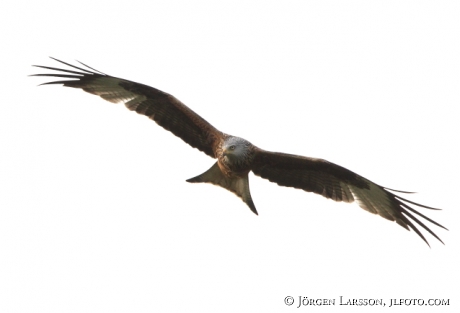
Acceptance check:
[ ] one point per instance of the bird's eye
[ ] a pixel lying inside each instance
(232, 147)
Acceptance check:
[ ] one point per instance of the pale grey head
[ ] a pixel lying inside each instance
(237, 152)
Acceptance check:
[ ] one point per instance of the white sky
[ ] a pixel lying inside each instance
(95, 213)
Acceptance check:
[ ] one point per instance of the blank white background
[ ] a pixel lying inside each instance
(95, 213)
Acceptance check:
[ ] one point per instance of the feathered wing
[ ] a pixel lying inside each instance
(340, 184)
(163, 108)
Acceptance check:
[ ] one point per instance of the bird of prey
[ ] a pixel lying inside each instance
(236, 157)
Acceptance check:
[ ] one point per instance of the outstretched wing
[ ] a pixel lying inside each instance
(163, 108)
(340, 184)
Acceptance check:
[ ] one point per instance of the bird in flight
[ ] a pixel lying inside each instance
(236, 157)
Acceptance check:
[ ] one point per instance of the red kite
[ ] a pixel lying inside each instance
(236, 157)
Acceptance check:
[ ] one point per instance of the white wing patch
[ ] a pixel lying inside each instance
(346, 194)
(377, 201)
(109, 89)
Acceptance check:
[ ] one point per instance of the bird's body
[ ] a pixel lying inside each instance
(236, 157)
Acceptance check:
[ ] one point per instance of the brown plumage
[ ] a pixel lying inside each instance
(236, 157)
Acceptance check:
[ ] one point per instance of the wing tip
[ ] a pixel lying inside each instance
(401, 191)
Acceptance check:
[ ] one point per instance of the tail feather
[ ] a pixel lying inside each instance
(237, 185)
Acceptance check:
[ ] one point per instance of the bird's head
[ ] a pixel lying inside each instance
(235, 148)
